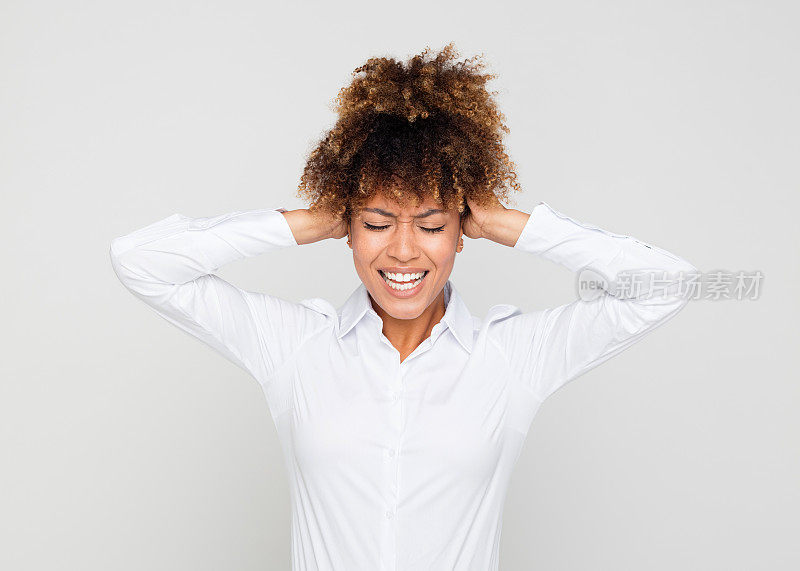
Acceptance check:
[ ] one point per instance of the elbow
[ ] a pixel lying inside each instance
(133, 264)
(114, 255)
(114, 249)
(689, 277)
(122, 273)
(122, 262)
(681, 276)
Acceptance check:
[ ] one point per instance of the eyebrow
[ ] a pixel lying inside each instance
(382, 212)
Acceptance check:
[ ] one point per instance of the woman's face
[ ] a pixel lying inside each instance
(390, 242)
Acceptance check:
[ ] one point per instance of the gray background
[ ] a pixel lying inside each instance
(128, 445)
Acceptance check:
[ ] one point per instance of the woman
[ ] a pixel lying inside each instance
(400, 414)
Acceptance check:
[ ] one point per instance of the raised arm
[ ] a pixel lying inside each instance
(170, 265)
(548, 348)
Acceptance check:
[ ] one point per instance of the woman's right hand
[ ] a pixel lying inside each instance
(336, 225)
(308, 228)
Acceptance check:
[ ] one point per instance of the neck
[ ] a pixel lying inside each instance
(407, 334)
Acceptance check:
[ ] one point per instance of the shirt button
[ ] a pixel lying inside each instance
(389, 514)
(391, 453)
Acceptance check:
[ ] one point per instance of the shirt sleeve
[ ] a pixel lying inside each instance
(548, 348)
(170, 266)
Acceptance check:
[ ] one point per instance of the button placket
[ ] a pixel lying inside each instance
(391, 452)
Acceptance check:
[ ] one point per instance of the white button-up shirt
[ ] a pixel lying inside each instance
(397, 465)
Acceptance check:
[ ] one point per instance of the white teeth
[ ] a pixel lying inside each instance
(404, 277)
(392, 279)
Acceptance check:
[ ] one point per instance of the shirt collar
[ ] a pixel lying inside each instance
(457, 316)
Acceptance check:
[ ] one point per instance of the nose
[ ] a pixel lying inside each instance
(403, 242)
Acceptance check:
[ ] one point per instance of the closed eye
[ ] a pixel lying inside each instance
(369, 226)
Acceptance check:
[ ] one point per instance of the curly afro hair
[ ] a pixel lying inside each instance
(427, 127)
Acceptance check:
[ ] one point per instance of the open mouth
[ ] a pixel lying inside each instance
(402, 282)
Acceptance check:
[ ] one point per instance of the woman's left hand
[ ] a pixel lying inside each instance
(478, 222)
(494, 222)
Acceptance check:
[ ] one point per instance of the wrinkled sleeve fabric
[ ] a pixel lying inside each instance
(548, 348)
(170, 266)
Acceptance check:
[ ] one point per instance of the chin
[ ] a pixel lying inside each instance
(403, 308)
(399, 308)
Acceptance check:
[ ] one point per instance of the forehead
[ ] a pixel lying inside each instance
(389, 204)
